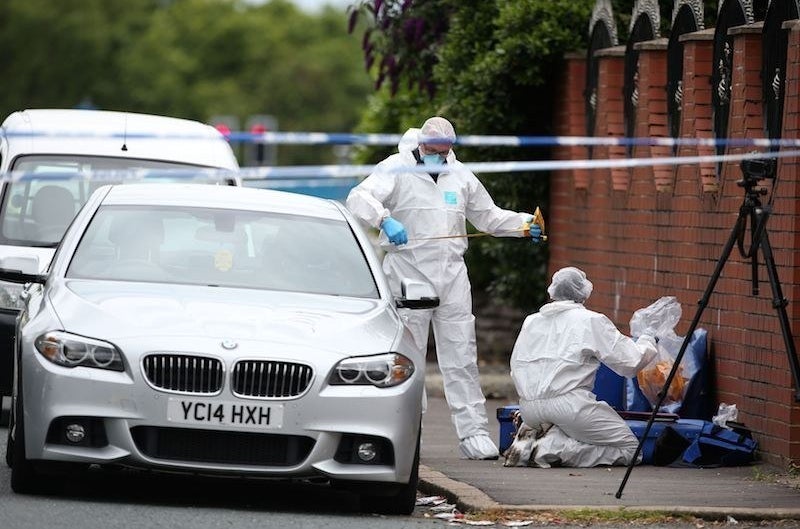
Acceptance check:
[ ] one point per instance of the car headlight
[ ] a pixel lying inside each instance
(381, 371)
(10, 295)
(71, 350)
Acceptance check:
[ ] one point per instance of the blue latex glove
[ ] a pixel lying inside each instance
(394, 230)
(536, 233)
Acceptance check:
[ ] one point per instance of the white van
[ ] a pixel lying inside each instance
(58, 144)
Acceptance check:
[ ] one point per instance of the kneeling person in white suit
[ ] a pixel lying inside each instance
(554, 363)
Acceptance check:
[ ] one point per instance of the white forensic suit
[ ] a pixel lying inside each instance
(554, 363)
(429, 208)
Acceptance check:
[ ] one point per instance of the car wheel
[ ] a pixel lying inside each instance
(4, 415)
(399, 499)
(24, 477)
(10, 440)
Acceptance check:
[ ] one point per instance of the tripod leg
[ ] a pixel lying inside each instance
(754, 255)
(779, 303)
(726, 252)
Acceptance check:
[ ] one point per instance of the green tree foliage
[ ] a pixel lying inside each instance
(266, 59)
(56, 54)
(187, 58)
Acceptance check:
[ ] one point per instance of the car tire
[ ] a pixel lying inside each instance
(399, 499)
(5, 415)
(25, 479)
(10, 441)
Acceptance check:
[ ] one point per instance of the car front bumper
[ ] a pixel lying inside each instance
(133, 416)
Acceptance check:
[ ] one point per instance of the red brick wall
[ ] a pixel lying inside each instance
(648, 232)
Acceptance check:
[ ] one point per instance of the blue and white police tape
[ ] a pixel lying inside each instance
(325, 138)
(351, 171)
(320, 138)
(334, 171)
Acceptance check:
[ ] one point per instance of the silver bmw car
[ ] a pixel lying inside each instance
(225, 330)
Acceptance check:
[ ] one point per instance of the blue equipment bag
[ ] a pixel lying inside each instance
(667, 438)
(694, 443)
(717, 446)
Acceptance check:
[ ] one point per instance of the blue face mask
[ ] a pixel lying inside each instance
(432, 159)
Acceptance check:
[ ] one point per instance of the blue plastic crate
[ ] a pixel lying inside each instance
(504, 416)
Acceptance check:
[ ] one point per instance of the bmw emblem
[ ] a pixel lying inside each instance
(229, 344)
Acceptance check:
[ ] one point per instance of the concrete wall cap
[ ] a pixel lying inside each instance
(747, 29)
(703, 34)
(614, 51)
(791, 24)
(655, 44)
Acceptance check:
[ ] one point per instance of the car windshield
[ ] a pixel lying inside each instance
(37, 209)
(225, 248)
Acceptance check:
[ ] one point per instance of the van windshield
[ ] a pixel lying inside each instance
(37, 209)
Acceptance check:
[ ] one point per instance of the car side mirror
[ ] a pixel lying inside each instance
(21, 270)
(416, 295)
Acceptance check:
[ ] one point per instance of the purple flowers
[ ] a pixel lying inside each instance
(402, 41)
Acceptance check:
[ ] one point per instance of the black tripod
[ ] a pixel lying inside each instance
(754, 170)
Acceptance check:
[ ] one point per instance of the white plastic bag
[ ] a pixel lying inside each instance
(659, 320)
(725, 413)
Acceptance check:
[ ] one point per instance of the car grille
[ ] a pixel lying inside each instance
(211, 446)
(264, 378)
(184, 373)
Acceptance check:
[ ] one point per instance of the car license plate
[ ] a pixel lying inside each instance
(225, 413)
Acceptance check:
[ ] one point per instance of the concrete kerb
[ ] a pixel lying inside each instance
(465, 497)
(469, 499)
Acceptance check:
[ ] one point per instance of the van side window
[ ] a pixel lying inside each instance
(39, 211)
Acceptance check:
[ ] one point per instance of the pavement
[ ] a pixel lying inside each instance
(754, 492)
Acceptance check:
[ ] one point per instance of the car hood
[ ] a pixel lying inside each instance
(117, 310)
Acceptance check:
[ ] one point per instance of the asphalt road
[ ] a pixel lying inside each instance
(125, 499)
(130, 499)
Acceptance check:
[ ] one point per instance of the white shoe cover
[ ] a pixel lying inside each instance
(478, 447)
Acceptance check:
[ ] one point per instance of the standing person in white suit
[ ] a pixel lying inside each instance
(554, 363)
(414, 207)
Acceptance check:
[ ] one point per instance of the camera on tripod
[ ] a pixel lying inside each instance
(759, 169)
(754, 170)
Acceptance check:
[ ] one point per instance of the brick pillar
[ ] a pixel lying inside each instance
(611, 111)
(568, 189)
(696, 115)
(571, 119)
(599, 228)
(746, 118)
(651, 116)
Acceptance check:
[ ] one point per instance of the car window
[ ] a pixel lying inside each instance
(37, 209)
(220, 247)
